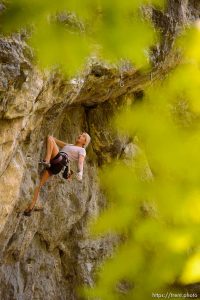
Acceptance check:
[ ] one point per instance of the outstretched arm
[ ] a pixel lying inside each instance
(59, 142)
(79, 175)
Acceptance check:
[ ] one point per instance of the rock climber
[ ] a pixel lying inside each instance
(55, 160)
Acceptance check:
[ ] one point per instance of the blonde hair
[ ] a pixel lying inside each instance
(87, 138)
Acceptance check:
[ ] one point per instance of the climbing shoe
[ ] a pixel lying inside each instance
(45, 163)
(27, 213)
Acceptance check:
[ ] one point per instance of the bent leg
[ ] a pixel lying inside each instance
(52, 149)
(43, 179)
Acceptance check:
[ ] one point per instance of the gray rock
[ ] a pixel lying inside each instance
(47, 255)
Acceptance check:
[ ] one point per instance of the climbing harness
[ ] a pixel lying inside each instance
(61, 160)
(67, 170)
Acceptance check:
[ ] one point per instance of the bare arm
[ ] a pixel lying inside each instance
(80, 167)
(59, 142)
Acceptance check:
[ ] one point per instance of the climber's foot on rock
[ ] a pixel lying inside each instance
(45, 163)
(28, 211)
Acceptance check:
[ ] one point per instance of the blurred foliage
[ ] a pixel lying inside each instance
(162, 245)
(110, 29)
(157, 212)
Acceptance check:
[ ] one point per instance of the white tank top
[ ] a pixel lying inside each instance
(73, 151)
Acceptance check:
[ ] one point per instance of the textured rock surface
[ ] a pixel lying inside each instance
(47, 255)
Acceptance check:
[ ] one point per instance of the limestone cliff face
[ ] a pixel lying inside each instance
(48, 254)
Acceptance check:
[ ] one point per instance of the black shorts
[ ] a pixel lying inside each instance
(57, 163)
